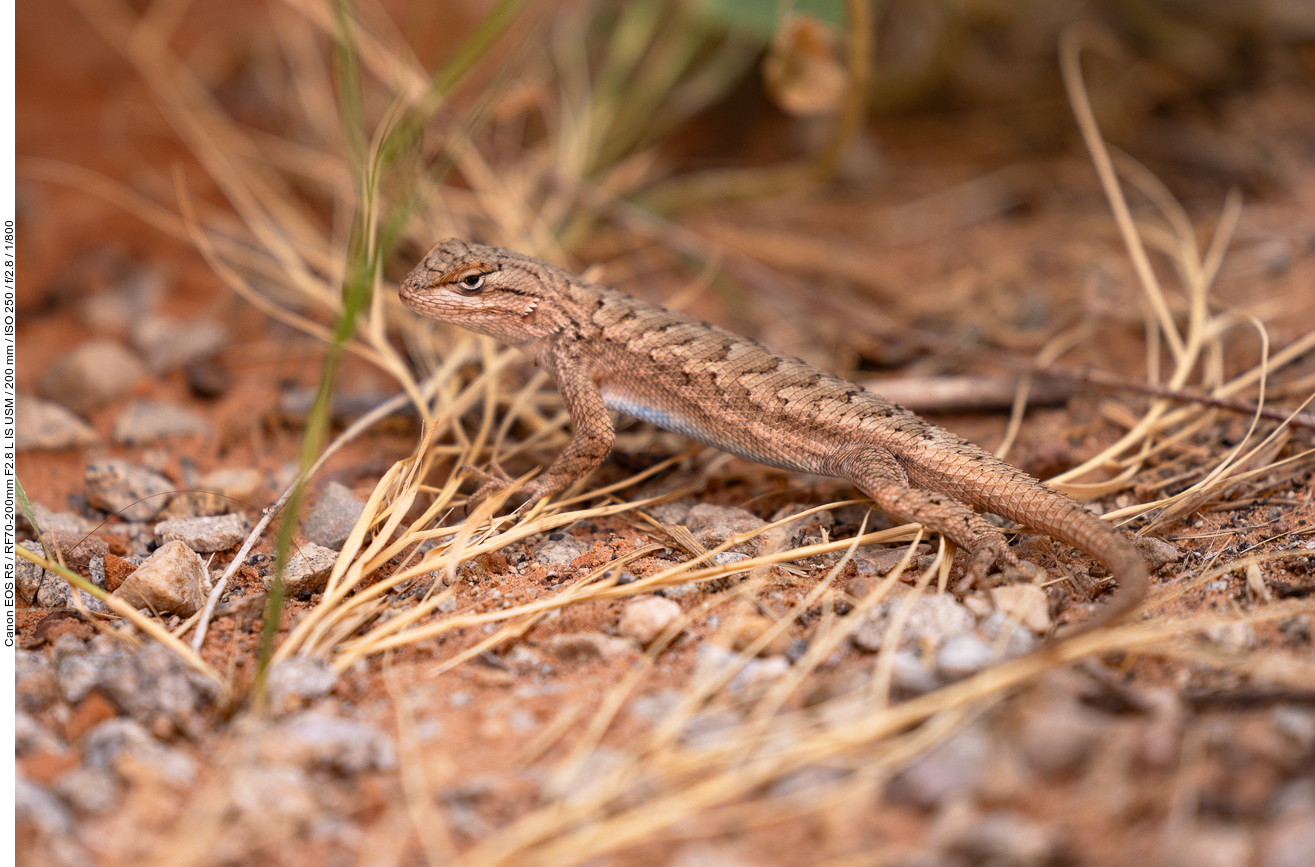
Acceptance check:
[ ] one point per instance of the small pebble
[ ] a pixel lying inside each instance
(645, 618)
(933, 619)
(962, 655)
(307, 571)
(145, 421)
(335, 514)
(1027, 603)
(712, 525)
(41, 424)
(91, 375)
(205, 535)
(237, 486)
(298, 680)
(314, 739)
(106, 744)
(559, 550)
(130, 492)
(169, 582)
(166, 342)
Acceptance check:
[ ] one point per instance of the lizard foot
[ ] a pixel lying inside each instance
(490, 483)
(979, 568)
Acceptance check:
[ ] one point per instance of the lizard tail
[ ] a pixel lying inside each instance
(1061, 518)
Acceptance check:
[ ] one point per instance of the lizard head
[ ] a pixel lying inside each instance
(485, 289)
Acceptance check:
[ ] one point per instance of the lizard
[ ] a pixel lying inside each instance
(608, 350)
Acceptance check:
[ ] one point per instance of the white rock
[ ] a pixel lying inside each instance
(1026, 602)
(167, 583)
(645, 618)
(962, 656)
(933, 619)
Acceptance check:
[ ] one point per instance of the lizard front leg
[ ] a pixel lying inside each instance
(594, 433)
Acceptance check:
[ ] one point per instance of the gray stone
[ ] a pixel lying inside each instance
(712, 525)
(713, 661)
(41, 424)
(89, 790)
(1157, 552)
(1018, 641)
(91, 375)
(107, 745)
(48, 589)
(1234, 634)
(298, 680)
(1297, 724)
(205, 535)
(910, 674)
(961, 656)
(559, 550)
(647, 617)
(933, 620)
(950, 772)
(68, 522)
(76, 674)
(674, 512)
(312, 739)
(728, 558)
(147, 421)
(29, 576)
(166, 342)
(56, 592)
(878, 561)
(153, 683)
(307, 570)
(333, 517)
(167, 583)
(131, 492)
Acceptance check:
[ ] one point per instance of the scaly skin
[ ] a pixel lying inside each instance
(609, 350)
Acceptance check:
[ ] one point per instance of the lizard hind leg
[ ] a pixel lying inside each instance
(876, 474)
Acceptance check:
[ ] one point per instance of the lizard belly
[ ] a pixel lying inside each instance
(737, 439)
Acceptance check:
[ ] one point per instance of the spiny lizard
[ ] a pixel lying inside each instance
(607, 350)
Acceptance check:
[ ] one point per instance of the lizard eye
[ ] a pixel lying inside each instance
(472, 282)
